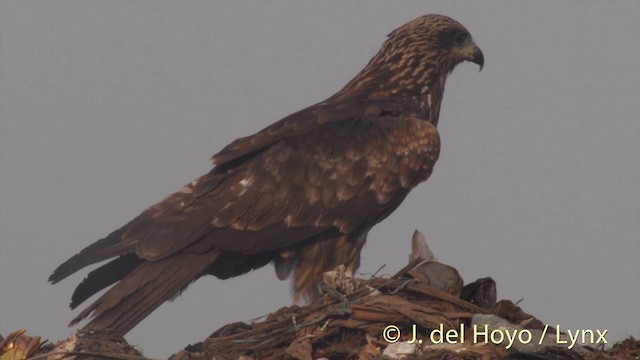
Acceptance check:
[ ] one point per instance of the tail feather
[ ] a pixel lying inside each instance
(149, 285)
(101, 250)
(103, 277)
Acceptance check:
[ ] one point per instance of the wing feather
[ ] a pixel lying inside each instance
(305, 182)
(304, 121)
(322, 170)
(269, 207)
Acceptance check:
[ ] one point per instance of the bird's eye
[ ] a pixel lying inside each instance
(460, 38)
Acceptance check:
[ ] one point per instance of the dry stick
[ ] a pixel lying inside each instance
(443, 295)
(413, 263)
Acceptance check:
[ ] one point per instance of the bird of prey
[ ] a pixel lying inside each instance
(302, 193)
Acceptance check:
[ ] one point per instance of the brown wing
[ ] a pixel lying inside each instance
(332, 179)
(300, 185)
(306, 120)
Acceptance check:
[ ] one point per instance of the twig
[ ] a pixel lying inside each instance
(413, 263)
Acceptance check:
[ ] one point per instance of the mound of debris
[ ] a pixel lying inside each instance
(421, 312)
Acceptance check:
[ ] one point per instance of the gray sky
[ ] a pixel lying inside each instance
(107, 107)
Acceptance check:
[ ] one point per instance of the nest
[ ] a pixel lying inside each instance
(421, 312)
(353, 326)
(409, 315)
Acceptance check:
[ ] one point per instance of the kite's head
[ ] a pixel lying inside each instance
(436, 41)
(416, 59)
(458, 45)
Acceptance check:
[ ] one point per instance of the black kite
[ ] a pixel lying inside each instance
(302, 193)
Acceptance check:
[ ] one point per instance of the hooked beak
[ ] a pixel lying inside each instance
(477, 58)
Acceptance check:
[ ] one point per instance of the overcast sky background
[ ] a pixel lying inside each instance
(107, 107)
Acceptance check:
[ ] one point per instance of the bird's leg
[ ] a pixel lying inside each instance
(333, 284)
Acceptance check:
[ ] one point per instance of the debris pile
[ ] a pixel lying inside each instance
(421, 312)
